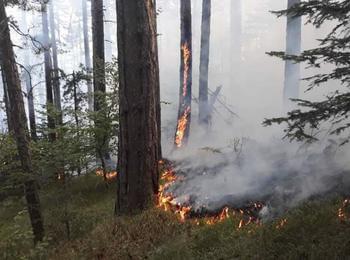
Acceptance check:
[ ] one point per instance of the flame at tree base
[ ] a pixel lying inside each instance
(167, 202)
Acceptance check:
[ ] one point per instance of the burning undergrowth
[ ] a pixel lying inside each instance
(256, 183)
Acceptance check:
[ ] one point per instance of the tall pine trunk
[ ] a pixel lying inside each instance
(138, 82)
(98, 57)
(87, 54)
(293, 47)
(204, 64)
(185, 99)
(55, 72)
(28, 82)
(19, 124)
(48, 74)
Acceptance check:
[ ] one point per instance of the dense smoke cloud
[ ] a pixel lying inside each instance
(239, 160)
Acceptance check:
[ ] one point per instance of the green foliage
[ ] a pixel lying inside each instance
(306, 123)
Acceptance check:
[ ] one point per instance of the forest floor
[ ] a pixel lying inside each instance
(80, 224)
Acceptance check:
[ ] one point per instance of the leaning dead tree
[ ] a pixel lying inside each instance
(20, 128)
(184, 113)
(138, 80)
(204, 64)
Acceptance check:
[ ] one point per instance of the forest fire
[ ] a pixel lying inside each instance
(109, 175)
(181, 127)
(344, 211)
(167, 202)
(186, 70)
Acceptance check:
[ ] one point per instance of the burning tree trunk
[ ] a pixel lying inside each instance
(48, 74)
(138, 82)
(204, 63)
(19, 123)
(293, 47)
(184, 114)
(55, 72)
(87, 54)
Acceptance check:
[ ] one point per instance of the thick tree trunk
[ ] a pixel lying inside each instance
(235, 42)
(87, 54)
(138, 82)
(28, 82)
(48, 74)
(98, 51)
(55, 72)
(293, 47)
(184, 114)
(20, 123)
(204, 64)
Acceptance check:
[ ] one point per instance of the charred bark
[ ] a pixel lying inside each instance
(293, 47)
(184, 114)
(87, 54)
(138, 80)
(204, 64)
(55, 72)
(48, 75)
(19, 124)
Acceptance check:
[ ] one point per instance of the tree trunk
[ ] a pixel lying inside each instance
(19, 124)
(48, 74)
(235, 43)
(293, 47)
(204, 64)
(108, 34)
(55, 72)
(138, 175)
(87, 54)
(6, 101)
(184, 114)
(29, 87)
(98, 50)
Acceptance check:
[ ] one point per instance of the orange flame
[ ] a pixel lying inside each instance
(182, 125)
(282, 223)
(186, 58)
(109, 175)
(342, 215)
(167, 202)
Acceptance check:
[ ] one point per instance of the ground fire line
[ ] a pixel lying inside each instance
(167, 202)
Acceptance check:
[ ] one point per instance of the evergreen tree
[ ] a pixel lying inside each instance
(305, 122)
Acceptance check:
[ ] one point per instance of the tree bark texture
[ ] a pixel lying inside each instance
(139, 79)
(204, 64)
(184, 114)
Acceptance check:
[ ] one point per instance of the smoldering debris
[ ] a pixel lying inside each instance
(211, 179)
